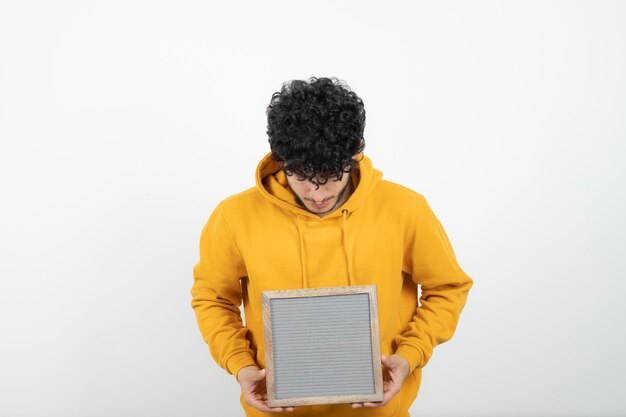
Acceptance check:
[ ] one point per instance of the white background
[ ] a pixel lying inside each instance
(123, 123)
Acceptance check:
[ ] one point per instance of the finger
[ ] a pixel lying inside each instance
(260, 375)
(387, 396)
(281, 409)
(386, 361)
(377, 404)
(262, 406)
(259, 402)
(389, 363)
(385, 400)
(357, 405)
(374, 405)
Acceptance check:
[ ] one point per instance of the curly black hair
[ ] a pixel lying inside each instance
(315, 128)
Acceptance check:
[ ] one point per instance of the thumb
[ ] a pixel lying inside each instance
(392, 363)
(260, 375)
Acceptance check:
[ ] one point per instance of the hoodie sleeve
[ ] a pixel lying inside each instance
(430, 260)
(216, 296)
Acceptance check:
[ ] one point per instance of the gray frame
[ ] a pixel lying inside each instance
(352, 319)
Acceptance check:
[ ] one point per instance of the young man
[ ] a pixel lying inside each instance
(322, 216)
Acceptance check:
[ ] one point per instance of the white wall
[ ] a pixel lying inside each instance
(123, 123)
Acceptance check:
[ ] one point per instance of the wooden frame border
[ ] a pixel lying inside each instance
(319, 292)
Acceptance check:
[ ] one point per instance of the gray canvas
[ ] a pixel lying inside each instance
(322, 346)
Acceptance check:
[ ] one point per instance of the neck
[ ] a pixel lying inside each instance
(345, 194)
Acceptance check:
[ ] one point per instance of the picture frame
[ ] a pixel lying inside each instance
(322, 346)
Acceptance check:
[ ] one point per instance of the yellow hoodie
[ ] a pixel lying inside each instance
(384, 235)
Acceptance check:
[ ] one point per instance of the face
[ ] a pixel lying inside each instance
(320, 200)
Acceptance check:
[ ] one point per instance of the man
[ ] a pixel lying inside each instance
(322, 216)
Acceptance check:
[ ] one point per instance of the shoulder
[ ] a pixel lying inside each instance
(396, 193)
(393, 199)
(242, 198)
(230, 211)
(237, 203)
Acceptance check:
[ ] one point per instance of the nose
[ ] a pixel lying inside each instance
(316, 193)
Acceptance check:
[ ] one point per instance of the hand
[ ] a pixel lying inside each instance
(252, 381)
(395, 371)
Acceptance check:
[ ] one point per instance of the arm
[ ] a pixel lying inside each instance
(216, 296)
(430, 260)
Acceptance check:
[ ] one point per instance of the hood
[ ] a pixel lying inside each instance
(272, 184)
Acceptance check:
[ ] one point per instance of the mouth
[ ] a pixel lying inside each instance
(321, 205)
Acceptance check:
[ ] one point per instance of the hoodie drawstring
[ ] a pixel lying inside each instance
(344, 235)
(344, 232)
(302, 253)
